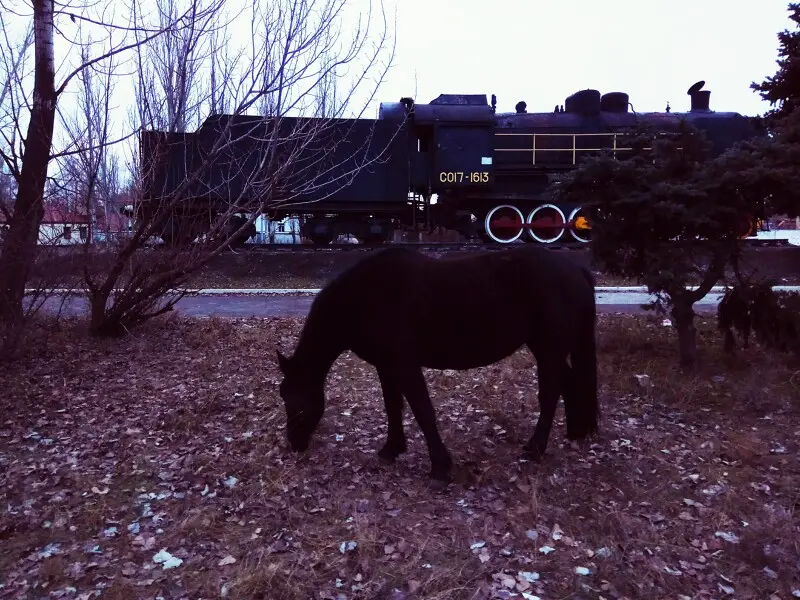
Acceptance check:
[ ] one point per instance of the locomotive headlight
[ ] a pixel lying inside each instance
(582, 223)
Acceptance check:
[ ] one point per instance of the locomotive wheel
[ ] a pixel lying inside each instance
(549, 220)
(580, 230)
(507, 227)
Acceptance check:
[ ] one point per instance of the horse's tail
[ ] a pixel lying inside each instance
(586, 411)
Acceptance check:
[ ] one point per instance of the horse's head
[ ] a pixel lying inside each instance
(304, 400)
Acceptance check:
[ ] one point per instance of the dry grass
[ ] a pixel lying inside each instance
(287, 269)
(284, 269)
(689, 491)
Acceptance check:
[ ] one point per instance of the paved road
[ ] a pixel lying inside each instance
(298, 306)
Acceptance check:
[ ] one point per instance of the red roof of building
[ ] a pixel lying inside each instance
(55, 215)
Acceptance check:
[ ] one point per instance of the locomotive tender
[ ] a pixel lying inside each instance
(490, 171)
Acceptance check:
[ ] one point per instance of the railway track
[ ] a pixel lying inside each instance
(454, 246)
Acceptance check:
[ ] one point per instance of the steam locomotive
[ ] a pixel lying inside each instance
(455, 163)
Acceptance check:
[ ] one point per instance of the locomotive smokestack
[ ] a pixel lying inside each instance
(699, 97)
(700, 100)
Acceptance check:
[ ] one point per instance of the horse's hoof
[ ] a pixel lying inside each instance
(579, 434)
(389, 453)
(388, 456)
(386, 459)
(439, 483)
(532, 454)
(441, 473)
(573, 437)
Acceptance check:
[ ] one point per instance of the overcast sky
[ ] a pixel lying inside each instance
(541, 51)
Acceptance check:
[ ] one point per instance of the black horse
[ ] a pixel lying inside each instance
(400, 310)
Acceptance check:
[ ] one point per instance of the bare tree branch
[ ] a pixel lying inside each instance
(244, 166)
(300, 72)
(184, 18)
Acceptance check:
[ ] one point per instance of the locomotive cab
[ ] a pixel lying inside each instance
(454, 135)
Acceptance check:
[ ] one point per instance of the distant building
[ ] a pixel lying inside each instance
(285, 231)
(60, 227)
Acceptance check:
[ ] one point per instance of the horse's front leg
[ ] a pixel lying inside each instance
(411, 382)
(393, 401)
(551, 378)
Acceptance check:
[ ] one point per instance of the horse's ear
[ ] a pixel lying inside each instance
(283, 362)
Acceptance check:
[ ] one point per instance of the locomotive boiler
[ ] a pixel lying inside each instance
(455, 163)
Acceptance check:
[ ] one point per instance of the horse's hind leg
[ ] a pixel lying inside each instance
(570, 393)
(393, 401)
(551, 376)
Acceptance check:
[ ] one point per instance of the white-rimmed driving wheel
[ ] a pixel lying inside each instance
(580, 230)
(504, 224)
(549, 221)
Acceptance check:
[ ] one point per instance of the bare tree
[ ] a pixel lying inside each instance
(45, 266)
(30, 163)
(12, 60)
(88, 174)
(202, 192)
(170, 94)
(191, 64)
(221, 94)
(327, 101)
(20, 241)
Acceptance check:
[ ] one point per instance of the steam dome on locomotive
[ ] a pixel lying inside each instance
(488, 171)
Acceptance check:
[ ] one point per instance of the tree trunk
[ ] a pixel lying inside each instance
(19, 249)
(100, 324)
(683, 300)
(683, 315)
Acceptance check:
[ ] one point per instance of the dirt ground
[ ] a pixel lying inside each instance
(156, 467)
